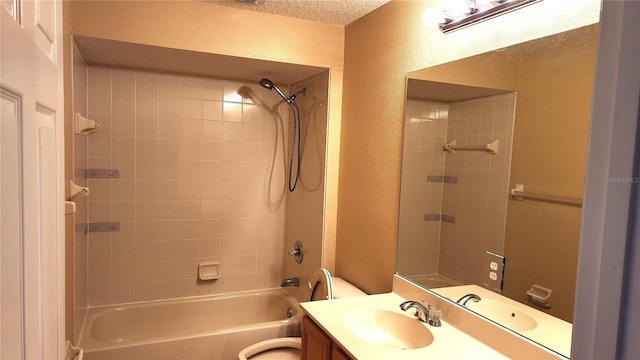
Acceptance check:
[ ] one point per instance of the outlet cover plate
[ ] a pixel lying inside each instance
(493, 271)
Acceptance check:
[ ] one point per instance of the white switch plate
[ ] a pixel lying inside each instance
(493, 271)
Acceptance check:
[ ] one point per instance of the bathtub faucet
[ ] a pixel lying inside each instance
(290, 282)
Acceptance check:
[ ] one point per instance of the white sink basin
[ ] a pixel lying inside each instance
(389, 329)
(503, 314)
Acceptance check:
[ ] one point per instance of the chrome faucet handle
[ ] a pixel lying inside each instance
(296, 252)
(427, 314)
(434, 317)
(293, 252)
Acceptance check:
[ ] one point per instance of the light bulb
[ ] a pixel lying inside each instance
(433, 17)
(456, 8)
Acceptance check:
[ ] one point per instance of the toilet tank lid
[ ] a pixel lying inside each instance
(343, 289)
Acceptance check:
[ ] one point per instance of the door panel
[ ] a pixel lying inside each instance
(10, 228)
(13, 8)
(32, 181)
(45, 27)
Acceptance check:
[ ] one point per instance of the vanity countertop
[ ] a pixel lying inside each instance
(551, 331)
(448, 341)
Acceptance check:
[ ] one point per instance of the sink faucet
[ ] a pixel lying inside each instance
(426, 314)
(290, 282)
(463, 300)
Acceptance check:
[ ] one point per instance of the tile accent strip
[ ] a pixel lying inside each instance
(440, 217)
(103, 226)
(102, 174)
(432, 217)
(442, 179)
(449, 219)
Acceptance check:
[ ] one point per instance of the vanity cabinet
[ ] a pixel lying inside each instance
(317, 345)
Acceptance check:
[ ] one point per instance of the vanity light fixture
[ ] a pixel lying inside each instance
(461, 13)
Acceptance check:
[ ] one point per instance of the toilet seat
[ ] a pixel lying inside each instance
(262, 349)
(320, 285)
(289, 348)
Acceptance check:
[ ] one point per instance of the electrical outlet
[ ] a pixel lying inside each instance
(493, 272)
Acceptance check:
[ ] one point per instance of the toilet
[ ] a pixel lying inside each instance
(323, 287)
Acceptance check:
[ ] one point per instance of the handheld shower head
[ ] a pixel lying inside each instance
(269, 85)
(266, 83)
(295, 144)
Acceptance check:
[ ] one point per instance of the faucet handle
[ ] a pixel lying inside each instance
(434, 317)
(296, 252)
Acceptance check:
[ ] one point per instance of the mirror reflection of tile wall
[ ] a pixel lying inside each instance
(479, 199)
(425, 133)
(453, 206)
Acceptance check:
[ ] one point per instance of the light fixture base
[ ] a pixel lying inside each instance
(476, 17)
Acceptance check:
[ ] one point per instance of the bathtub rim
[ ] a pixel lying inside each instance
(90, 344)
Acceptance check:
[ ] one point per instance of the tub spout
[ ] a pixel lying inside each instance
(290, 282)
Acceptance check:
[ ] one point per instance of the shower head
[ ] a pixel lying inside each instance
(269, 85)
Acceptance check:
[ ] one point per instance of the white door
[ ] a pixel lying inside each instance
(31, 181)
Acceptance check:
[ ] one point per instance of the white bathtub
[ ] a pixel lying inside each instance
(209, 328)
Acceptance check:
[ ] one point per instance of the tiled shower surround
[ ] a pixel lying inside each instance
(422, 156)
(479, 199)
(80, 217)
(201, 165)
(473, 199)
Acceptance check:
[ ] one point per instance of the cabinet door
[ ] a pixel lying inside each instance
(316, 345)
(337, 354)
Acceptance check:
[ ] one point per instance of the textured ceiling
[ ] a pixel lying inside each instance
(339, 12)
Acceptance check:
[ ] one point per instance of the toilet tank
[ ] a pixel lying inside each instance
(343, 289)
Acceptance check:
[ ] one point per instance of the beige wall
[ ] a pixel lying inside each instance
(549, 157)
(380, 49)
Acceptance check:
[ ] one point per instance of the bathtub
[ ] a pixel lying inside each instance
(202, 328)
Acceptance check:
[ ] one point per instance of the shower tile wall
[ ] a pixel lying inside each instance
(425, 132)
(79, 95)
(305, 206)
(201, 179)
(479, 199)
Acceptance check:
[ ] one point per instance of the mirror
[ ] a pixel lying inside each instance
(456, 209)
